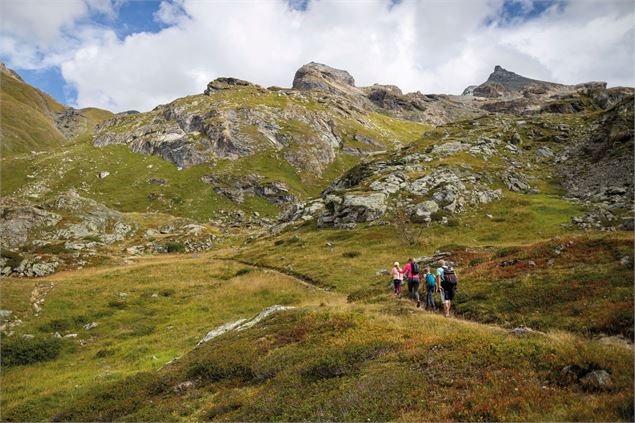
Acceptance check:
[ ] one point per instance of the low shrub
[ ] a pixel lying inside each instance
(61, 325)
(13, 259)
(476, 261)
(278, 242)
(141, 329)
(346, 360)
(18, 351)
(232, 361)
(504, 252)
(453, 222)
(167, 292)
(175, 247)
(243, 271)
(104, 353)
(351, 254)
(53, 249)
(117, 304)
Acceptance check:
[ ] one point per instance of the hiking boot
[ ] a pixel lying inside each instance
(418, 304)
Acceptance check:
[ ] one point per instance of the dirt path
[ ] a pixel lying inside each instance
(300, 278)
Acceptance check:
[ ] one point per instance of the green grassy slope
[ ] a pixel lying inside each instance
(129, 187)
(27, 117)
(25, 113)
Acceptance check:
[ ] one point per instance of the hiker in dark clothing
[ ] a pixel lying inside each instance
(446, 283)
(412, 270)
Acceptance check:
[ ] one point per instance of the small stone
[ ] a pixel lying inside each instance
(103, 174)
(5, 314)
(70, 335)
(122, 294)
(27, 336)
(625, 260)
(597, 380)
(183, 387)
(489, 216)
(381, 272)
(90, 325)
(531, 263)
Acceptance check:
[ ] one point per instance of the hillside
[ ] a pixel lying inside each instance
(225, 256)
(33, 121)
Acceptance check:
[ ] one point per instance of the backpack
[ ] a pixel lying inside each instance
(449, 277)
(415, 268)
(431, 280)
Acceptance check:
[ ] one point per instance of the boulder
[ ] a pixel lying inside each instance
(517, 182)
(544, 153)
(597, 380)
(422, 212)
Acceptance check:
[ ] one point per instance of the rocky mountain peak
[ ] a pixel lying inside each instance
(502, 82)
(317, 76)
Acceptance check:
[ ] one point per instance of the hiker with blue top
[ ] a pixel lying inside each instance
(446, 285)
(431, 287)
(412, 270)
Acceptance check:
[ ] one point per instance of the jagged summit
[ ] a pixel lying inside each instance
(502, 82)
(512, 81)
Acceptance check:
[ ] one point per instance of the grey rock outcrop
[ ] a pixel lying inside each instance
(237, 188)
(224, 83)
(316, 76)
(17, 220)
(352, 208)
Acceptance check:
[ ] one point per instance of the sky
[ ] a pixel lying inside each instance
(134, 54)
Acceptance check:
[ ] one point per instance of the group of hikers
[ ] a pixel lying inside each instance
(443, 281)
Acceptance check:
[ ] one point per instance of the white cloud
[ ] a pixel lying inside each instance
(170, 13)
(429, 46)
(41, 33)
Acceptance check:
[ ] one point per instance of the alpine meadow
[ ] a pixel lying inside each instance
(324, 252)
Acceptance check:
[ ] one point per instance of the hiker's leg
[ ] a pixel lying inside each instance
(430, 299)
